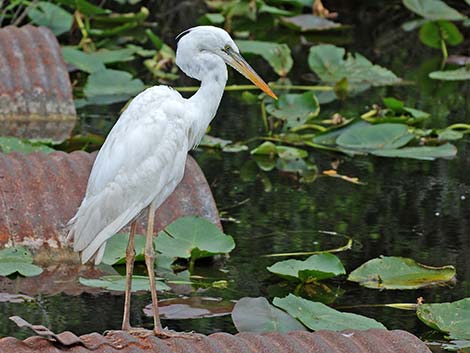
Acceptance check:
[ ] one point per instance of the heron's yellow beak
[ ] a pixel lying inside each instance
(240, 64)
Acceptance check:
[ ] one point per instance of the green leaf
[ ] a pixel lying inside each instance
(394, 104)
(212, 19)
(291, 153)
(433, 10)
(390, 272)
(117, 55)
(115, 252)
(375, 137)
(110, 86)
(451, 75)
(451, 318)
(52, 16)
(318, 316)
(118, 283)
(277, 55)
(331, 66)
(13, 144)
(306, 23)
(315, 268)
(257, 315)
(82, 61)
(428, 153)
(17, 259)
(193, 237)
(268, 148)
(295, 109)
(432, 33)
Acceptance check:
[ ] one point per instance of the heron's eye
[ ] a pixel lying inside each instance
(227, 48)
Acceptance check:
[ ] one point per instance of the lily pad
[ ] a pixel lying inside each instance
(399, 273)
(433, 10)
(257, 315)
(318, 316)
(115, 252)
(277, 55)
(376, 137)
(118, 283)
(427, 153)
(111, 86)
(331, 66)
(451, 318)
(81, 60)
(451, 75)
(10, 144)
(52, 16)
(307, 22)
(193, 237)
(18, 260)
(295, 109)
(315, 268)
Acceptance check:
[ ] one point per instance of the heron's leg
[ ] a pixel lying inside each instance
(150, 262)
(130, 257)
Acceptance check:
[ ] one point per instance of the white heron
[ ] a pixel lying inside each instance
(143, 158)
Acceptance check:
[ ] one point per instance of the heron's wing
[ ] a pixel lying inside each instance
(142, 161)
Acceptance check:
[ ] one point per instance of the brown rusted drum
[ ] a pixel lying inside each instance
(40, 192)
(369, 341)
(35, 92)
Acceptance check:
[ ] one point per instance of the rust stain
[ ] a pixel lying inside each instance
(351, 341)
(40, 192)
(35, 92)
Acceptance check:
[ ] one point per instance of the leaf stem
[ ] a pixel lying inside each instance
(253, 87)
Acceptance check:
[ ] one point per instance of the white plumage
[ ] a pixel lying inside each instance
(143, 158)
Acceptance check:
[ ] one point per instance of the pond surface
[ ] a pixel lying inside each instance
(405, 208)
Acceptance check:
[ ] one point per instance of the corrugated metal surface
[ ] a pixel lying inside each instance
(35, 92)
(370, 341)
(40, 192)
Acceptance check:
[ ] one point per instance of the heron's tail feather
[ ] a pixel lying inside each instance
(94, 224)
(98, 244)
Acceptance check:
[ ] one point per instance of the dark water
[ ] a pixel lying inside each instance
(406, 208)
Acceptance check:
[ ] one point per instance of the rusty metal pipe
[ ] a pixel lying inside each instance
(35, 92)
(40, 192)
(351, 341)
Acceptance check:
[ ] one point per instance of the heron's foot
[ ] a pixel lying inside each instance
(165, 334)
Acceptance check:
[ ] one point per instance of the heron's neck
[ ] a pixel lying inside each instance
(206, 101)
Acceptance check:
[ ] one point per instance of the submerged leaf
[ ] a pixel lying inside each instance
(318, 316)
(451, 318)
(315, 268)
(193, 237)
(390, 272)
(191, 308)
(257, 315)
(118, 283)
(331, 66)
(277, 55)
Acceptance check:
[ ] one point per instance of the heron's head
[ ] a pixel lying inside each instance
(216, 41)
